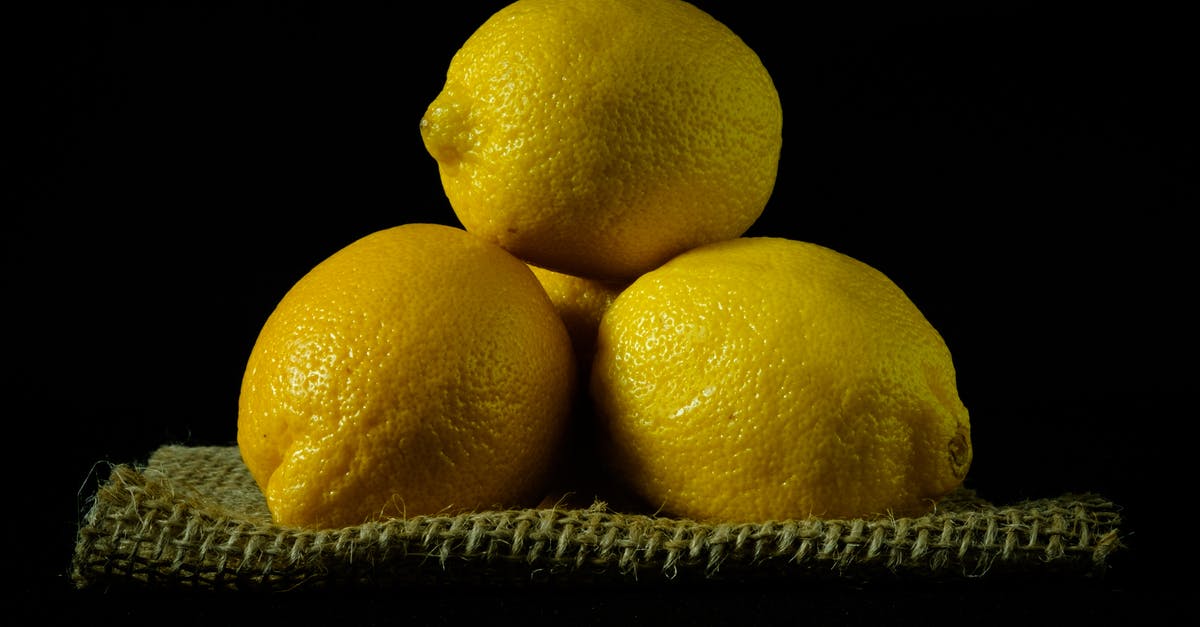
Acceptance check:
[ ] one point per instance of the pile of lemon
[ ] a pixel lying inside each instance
(605, 158)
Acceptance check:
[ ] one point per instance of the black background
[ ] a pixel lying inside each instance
(1023, 175)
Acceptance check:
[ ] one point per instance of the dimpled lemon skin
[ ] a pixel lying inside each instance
(418, 370)
(766, 379)
(599, 138)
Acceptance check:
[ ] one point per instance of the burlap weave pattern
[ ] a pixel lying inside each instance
(194, 518)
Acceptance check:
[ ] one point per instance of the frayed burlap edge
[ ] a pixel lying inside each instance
(193, 518)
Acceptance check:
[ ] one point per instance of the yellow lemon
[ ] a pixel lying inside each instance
(767, 378)
(581, 303)
(419, 369)
(600, 138)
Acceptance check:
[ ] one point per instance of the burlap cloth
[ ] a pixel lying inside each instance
(192, 517)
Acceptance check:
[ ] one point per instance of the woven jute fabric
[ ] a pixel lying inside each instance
(192, 517)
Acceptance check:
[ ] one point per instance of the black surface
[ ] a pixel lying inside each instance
(1021, 174)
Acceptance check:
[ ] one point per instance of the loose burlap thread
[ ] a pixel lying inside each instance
(193, 518)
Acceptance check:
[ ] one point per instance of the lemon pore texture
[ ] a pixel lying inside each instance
(767, 378)
(599, 138)
(420, 369)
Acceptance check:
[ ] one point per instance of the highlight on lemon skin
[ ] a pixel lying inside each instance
(767, 379)
(419, 370)
(599, 138)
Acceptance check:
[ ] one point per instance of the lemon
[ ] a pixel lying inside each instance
(581, 303)
(599, 138)
(765, 378)
(420, 369)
